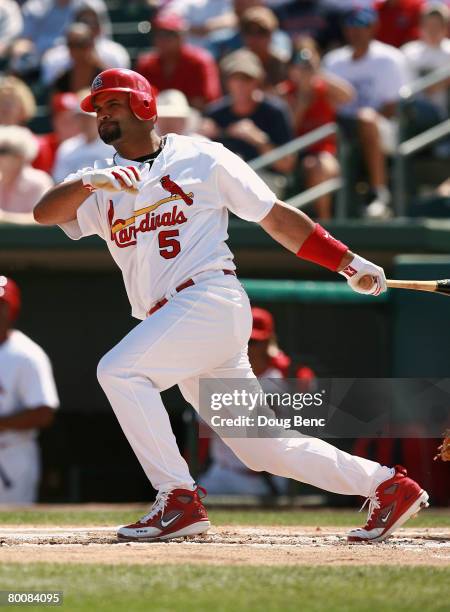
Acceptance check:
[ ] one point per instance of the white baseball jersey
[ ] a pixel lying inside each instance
(26, 382)
(176, 226)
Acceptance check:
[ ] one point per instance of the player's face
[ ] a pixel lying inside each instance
(114, 117)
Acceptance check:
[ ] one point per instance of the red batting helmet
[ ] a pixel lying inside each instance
(142, 100)
(10, 293)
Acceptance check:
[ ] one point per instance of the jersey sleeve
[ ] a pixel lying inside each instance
(242, 190)
(88, 221)
(36, 385)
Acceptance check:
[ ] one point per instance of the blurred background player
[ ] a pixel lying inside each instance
(227, 474)
(28, 399)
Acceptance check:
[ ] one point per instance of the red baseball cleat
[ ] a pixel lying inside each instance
(174, 514)
(395, 501)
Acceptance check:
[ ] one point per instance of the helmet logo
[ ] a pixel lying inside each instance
(97, 83)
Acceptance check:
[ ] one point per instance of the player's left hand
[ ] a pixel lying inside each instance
(374, 281)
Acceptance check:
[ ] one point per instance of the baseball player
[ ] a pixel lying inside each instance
(161, 205)
(28, 399)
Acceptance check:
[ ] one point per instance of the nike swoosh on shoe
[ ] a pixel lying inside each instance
(170, 521)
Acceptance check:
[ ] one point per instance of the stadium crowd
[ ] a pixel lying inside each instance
(252, 74)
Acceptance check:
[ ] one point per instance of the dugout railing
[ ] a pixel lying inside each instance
(302, 143)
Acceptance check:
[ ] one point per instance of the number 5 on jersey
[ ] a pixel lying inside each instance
(169, 247)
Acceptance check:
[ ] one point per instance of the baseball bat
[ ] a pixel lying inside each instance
(435, 286)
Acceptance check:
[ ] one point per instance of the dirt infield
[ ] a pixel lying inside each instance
(226, 545)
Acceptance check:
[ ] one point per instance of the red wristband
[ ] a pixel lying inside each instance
(323, 249)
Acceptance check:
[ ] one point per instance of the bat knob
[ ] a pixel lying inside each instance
(365, 282)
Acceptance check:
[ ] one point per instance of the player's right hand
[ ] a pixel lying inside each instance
(117, 178)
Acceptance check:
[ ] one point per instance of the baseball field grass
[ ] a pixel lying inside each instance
(266, 571)
(85, 515)
(156, 588)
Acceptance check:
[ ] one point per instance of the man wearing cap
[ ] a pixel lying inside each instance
(175, 115)
(176, 65)
(161, 205)
(377, 72)
(28, 399)
(82, 149)
(247, 121)
(257, 27)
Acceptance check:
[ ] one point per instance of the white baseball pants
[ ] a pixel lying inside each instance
(20, 471)
(202, 332)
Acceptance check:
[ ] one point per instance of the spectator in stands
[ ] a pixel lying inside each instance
(398, 21)
(257, 27)
(280, 42)
(45, 23)
(17, 103)
(85, 64)
(247, 121)
(175, 115)
(306, 18)
(428, 54)
(64, 109)
(204, 19)
(176, 65)
(21, 186)
(81, 150)
(227, 475)
(377, 72)
(314, 97)
(11, 25)
(111, 55)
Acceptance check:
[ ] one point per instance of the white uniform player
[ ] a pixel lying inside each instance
(28, 398)
(162, 208)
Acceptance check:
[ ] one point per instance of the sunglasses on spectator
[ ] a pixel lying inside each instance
(7, 151)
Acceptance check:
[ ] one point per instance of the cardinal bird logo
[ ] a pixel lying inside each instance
(175, 189)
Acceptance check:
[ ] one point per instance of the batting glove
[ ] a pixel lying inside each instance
(360, 267)
(118, 178)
